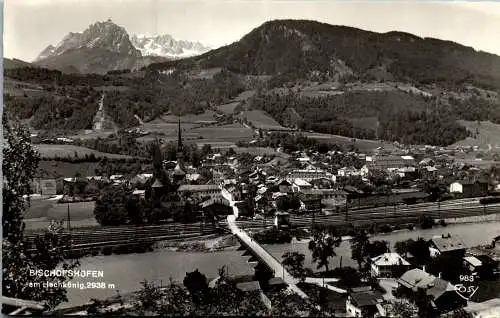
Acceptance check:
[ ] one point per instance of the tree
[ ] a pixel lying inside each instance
(401, 248)
(460, 313)
(359, 247)
(377, 248)
(294, 264)
(110, 208)
(19, 165)
(323, 246)
(283, 203)
(378, 177)
(403, 308)
(49, 250)
(147, 297)
(424, 305)
(419, 249)
(206, 150)
(196, 284)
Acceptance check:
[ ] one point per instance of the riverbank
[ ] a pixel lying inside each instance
(217, 244)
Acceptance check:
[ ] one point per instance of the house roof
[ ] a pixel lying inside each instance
(157, 184)
(366, 298)
(448, 243)
(284, 182)
(213, 201)
(473, 261)
(434, 286)
(276, 281)
(416, 278)
(198, 187)
(301, 182)
(352, 189)
(193, 176)
(178, 171)
(438, 287)
(248, 286)
(389, 259)
(471, 182)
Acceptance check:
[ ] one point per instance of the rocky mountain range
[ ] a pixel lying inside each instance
(167, 46)
(106, 46)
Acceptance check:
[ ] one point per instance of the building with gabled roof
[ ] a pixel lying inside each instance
(388, 265)
(447, 244)
(365, 302)
(443, 294)
(200, 191)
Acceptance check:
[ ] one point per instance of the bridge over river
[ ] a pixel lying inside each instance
(263, 256)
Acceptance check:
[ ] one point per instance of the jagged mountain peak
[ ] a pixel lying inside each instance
(105, 35)
(167, 46)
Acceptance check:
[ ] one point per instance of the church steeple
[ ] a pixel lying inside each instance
(179, 170)
(179, 138)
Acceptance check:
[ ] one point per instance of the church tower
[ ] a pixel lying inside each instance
(179, 170)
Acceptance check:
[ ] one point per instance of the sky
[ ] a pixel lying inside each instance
(31, 25)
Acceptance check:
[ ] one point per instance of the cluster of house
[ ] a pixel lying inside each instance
(314, 184)
(409, 279)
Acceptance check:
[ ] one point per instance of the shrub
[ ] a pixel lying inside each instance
(426, 222)
(107, 250)
(386, 228)
(273, 236)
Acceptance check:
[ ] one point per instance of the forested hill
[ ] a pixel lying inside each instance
(319, 77)
(301, 48)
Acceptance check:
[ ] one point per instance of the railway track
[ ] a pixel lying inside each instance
(365, 217)
(89, 238)
(99, 237)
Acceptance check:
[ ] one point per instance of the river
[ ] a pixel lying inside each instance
(473, 234)
(127, 271)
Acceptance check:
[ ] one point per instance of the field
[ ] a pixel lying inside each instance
(228, 108)
(51, 210)
(42, 212)
(53, 169)
(488, 137)
(261, 151)
(198, 133)
(262, 120)
(207, 116)
(53, 151)
(234, 132)
(90, 134)
(205, 73)
(365, 122)
(244, 96)
(364, 145)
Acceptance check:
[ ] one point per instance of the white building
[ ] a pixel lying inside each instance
(200, 191)
(388, 265)
(309, 175)
(300, 185)
(456, 187)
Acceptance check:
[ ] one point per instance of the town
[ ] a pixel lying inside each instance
(305, 190)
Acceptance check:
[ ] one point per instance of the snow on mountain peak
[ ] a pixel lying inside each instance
(166, 46)
(102, 35)
(107, 35)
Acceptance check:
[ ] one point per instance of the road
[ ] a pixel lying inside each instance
(278, 269)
